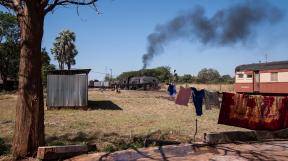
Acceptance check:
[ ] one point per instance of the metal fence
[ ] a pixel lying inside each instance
(67, 90)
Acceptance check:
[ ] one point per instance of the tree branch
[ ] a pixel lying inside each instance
(44, 3)
(51, 6)
(12, 4)
(7, 3)
(17, 6)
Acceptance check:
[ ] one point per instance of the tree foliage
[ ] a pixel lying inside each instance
(9, 47)
(46, 65)
(64, 49)
(187, 78)
(108, 77)
(162, 73)
(19, 6)
(208, 76)
(9, 29)
(29, 134)
(227, 79)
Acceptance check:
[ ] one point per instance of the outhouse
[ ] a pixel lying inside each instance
(67, 88)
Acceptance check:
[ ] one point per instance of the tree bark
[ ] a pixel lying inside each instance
(61, 65)
(29, 129)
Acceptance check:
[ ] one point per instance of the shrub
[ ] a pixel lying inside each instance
(4, 148)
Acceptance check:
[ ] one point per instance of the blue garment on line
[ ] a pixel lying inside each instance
(174, 90)
(171, 90)
(197, 97)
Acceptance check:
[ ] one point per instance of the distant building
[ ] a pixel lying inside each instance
(67, 88)
(271, 77)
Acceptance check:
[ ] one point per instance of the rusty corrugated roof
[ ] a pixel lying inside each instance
(263, 66)
(69, 72)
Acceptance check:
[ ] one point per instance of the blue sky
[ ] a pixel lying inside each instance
(117, 38)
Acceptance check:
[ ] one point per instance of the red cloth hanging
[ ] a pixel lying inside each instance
(183, 96)
(254, 112)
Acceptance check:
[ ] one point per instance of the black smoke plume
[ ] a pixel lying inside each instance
(225, 27)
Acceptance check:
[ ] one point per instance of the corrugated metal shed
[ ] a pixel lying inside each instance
(67, 88)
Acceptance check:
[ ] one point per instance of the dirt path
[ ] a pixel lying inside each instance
(272, 150)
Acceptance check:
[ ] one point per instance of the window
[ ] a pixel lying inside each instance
(249, 75)
(240, 75)
(274, 76)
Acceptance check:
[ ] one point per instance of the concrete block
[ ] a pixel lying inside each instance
(228, 137)
(60, 152)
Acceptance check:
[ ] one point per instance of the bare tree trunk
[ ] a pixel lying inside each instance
(3, 74)
(29, 130)
(62, 66)
(4, 79)
(68, 66)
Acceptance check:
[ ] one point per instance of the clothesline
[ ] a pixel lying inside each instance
(210, 99)
(253, 111)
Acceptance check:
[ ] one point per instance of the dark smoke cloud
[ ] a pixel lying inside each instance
(225, 27)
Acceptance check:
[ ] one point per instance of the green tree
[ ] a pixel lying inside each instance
(9, 29)
(128, 74)
(227, 79)
(187, 78)
(208, 76)
(108, 77)
(64, 49)
(162, 73)
(46, 66)
(29, 134)
(9, 47)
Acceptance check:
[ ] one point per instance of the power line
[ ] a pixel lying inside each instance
(98, 72)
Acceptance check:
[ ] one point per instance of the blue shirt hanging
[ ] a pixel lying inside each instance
(171, 90)
(197, 97)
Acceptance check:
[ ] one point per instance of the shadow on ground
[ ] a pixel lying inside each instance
(264, 151)
(110, 142)
(103, 105)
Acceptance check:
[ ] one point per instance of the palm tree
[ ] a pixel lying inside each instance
(64, 49)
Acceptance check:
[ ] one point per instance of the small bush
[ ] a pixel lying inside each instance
(4, 148)
(109, 148)
(137, 145)
(56, 143)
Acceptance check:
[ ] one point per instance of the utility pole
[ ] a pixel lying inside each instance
(266, 57)
(111, 74)
(174, 76)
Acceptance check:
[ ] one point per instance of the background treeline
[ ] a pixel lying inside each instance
(10, 53)
(164, 74)
(64, 51)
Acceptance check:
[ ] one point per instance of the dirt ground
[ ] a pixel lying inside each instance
(264, 151)
(114, 115)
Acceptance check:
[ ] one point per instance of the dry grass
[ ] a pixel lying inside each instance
(209, 87)
(115, 115)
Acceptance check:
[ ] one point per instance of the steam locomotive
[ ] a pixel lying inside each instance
(130, 83)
